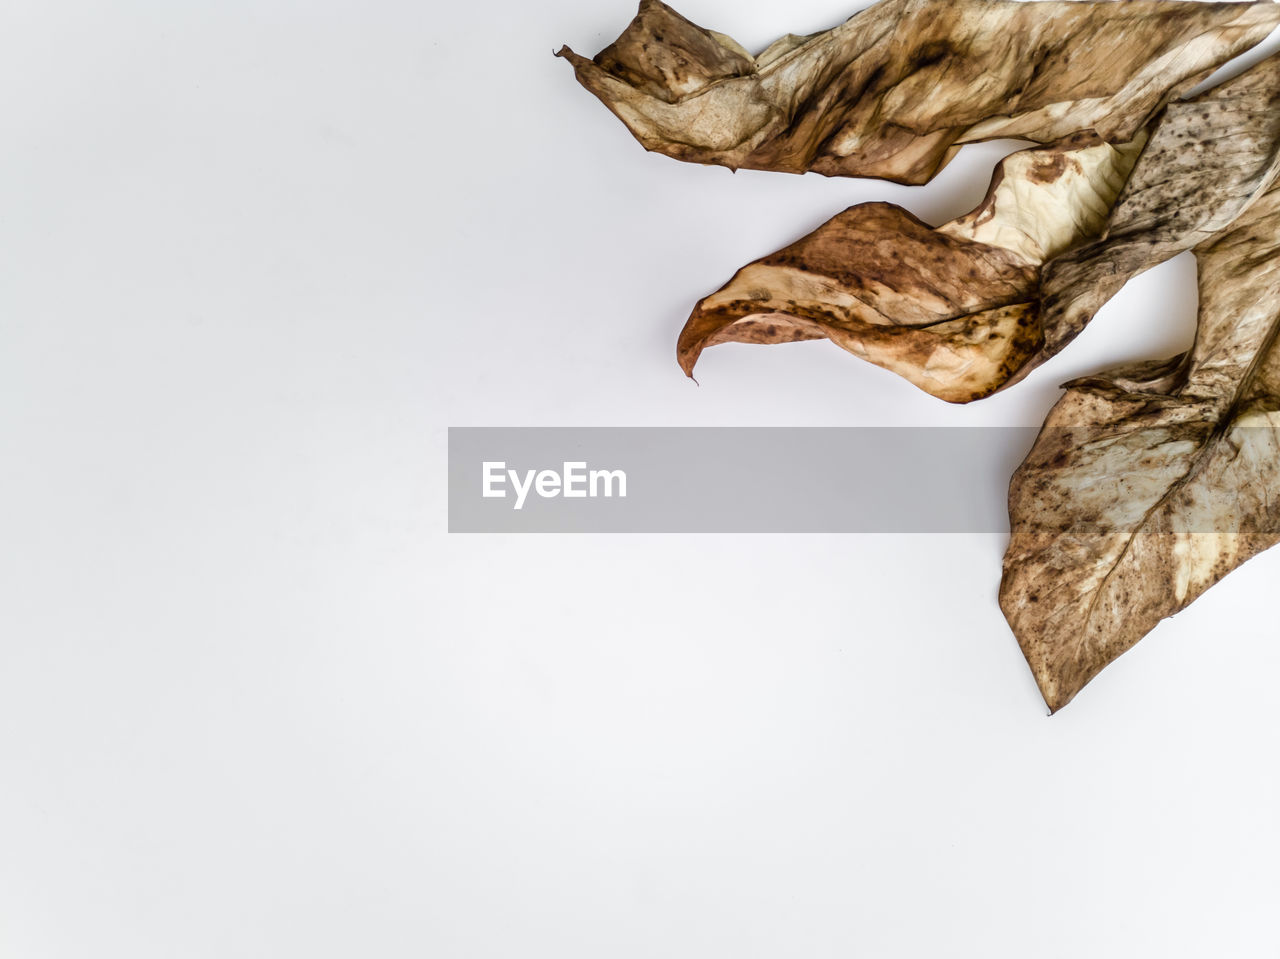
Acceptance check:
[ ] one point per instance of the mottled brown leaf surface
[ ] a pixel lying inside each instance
(893, 91)
(1208, 159)
(952, 309)
(1150, 483)
(1061, 231)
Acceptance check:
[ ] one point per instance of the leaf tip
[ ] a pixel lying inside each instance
(688, 370)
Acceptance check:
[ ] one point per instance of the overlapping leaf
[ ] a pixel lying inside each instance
(1149, 484)
(964, 310)
(952, 309)
(893, 91)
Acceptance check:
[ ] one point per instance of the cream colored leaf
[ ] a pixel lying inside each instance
(894, 90)
(1150, 483)
(1061, 230)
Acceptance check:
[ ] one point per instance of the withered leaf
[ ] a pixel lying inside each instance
(951, 309)
(1061, 230)
(896, 89)
(1150, 483)
(1209, 157)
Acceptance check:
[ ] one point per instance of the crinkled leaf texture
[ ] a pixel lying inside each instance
(952, 309)
(896, 89)
(968, 308)
(1150, 483)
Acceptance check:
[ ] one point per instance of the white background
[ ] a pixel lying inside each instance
(255, 258)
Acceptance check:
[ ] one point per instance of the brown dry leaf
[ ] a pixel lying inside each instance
(1209, 157)
(951, 309)
(966, 309)
(1150, 483)
(893, 91)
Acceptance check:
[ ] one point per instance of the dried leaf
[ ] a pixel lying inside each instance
(1150, 483)
(1207, 159)
(951, 309)
(893, 91)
